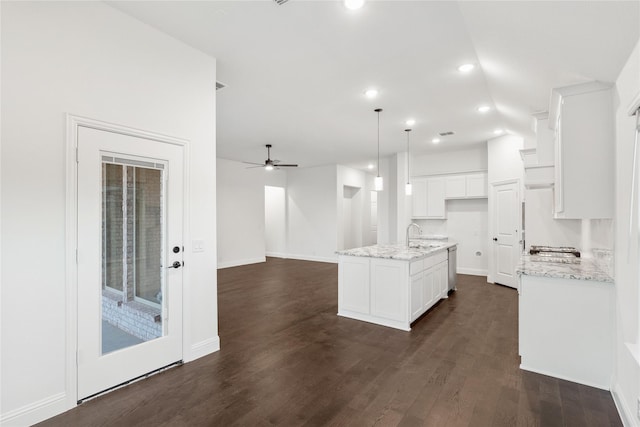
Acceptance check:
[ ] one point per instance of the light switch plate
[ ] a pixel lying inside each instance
(198, 246)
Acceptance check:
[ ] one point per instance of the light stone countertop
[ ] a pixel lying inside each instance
(399, 251)
(585, 269)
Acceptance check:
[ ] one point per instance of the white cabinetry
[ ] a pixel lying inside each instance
(390, 292)
(428, 198)
(435, 198)
(582, 119)
(566, 329)
(466, 186)
(430, 193)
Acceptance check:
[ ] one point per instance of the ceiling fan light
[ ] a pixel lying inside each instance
(268, 167)
(408, 190)
(377, 183)
(353, 4)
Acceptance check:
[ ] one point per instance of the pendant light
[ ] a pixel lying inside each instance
(378, 181)
(407, 187)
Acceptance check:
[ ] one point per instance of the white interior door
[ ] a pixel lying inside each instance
(130, 254)
(506, 233)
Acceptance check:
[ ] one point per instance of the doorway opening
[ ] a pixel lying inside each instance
(275, 222)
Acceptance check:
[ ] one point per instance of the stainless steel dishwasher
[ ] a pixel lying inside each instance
(452, 267)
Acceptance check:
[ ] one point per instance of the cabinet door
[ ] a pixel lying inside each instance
(477, 185)
(389, 290)
(428, 294)
(353, 284)
(419, 198)
(417, 298)
(435, 198)
(455, 187)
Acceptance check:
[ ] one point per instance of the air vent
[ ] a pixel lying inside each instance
(280, 2)
(446, 133)
(220, 85)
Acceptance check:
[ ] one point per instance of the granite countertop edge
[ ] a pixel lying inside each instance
(397, 252)
(586, 269)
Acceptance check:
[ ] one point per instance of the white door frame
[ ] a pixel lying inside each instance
(71, 238)
(492, 231)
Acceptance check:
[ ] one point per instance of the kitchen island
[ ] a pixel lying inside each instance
(392, 285)
(566, 319)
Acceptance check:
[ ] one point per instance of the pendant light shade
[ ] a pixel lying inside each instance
(378, 185)
(407, 187)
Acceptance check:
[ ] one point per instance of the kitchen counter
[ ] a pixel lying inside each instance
(584, 269)
(400, 251)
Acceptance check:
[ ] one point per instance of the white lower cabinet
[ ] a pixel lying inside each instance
(390, 292)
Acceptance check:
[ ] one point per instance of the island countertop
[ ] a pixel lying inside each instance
(584, 269)
(399, 251)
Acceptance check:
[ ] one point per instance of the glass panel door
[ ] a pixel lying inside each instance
(132, 242)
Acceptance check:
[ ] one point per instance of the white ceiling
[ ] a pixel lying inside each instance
(296, 73)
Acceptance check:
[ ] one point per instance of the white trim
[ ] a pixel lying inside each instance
(635, 105)
(204, 348)
(566, 378)
(277, 255)
(626, 415)
(239, 262)
(403, 326)
(472, 271)
(313, 258)
(71, 238)
(35, 412)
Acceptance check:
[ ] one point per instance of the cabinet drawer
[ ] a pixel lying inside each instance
(435, 259)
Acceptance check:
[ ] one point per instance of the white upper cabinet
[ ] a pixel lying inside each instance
(464, 186)
(581, 117)
(456, 186)
(428, 198)
(435, 198)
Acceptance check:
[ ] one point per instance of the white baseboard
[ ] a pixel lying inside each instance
(204, 348)
(35, 412)
(472, 271)
(333, 260)
(235, 263)
(566, 378)
(277, 255)
(626, 415)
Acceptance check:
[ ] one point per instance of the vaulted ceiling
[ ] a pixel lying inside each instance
(296, 73)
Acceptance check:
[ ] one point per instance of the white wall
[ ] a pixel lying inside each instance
(466, 224)
(275, 221)
(312, 213)
(504, 164)
(467, 159)
(359, 225)
(241, 213)
(541, 228)
(626, 382)
(62, 58)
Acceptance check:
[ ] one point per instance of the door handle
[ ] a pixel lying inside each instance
(176, 264)
(495, 239)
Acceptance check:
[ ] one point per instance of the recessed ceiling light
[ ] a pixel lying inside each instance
(465, 68)
(435, 140)
(370, 166)
(353, 4)
(410, 122)
(498, 131)
(483, 108)
(371, 93)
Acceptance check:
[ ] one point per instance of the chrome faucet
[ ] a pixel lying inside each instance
(413, 224)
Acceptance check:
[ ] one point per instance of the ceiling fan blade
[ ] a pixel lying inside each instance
(252, 163)
(287, 166)
(275, 161)
(254, 167)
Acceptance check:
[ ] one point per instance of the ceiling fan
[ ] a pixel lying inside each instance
(270, 164)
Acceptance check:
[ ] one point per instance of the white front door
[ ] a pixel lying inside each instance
(130, 254)
(506, 240)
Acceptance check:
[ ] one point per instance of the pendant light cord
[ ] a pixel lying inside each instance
(378, 111)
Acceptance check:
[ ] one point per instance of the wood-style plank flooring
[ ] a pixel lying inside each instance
(287, 359)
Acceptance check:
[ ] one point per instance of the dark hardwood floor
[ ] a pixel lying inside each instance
(287, 359)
